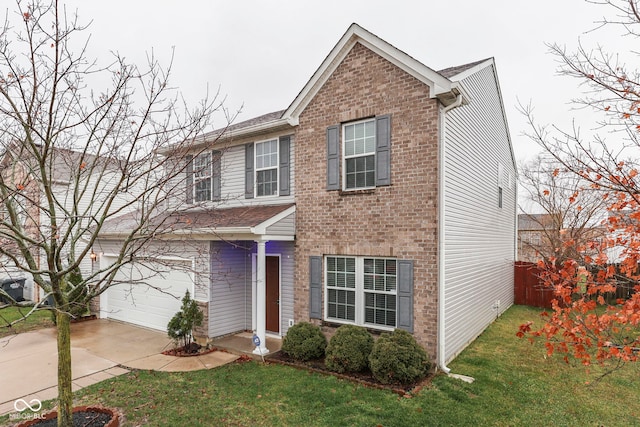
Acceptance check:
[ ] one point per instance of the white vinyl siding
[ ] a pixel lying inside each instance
(230, 308)
(286, 226)
(232, 188)
(89, 206)
(231, 277)
(479, 244)
(232, 181)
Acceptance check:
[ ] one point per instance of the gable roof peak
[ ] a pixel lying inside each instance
(440, 86)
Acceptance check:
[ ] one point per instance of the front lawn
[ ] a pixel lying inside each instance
(515, 385)
(39, 319)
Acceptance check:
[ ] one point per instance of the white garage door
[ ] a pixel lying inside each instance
(151, 306)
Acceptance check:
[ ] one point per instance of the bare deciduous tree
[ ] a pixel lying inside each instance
(80, 149)
(570, 213)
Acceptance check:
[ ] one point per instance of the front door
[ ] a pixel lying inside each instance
(273, 293)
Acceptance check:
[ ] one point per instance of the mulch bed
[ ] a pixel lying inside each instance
(365, 378)
(84, 419)
(84, 416)
(189, 351)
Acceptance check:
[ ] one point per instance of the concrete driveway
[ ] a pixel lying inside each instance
(100, 349)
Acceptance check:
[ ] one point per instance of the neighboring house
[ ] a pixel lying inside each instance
(22, 175)
(542, 236)
(532, 238)
(383, 196)
(620, 230)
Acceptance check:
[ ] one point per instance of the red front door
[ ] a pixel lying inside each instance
(273, 293)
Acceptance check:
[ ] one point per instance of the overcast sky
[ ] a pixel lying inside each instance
(261, 53)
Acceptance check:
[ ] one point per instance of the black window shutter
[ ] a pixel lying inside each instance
(189, 186)
(248, 171)
(333, 157)
(216, 175)
(405, 295)
(383, 150)
(315, 287)
(285, 169)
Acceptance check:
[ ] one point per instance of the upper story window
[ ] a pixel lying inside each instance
(202, 177)
(267, 168)
(359, 154)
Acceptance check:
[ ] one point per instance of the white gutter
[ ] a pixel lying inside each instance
(441, 236)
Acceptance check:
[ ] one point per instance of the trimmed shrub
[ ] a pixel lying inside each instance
(304, 341)
(398, 358)
(349, 349)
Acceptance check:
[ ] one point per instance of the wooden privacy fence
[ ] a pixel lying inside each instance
(528, 288)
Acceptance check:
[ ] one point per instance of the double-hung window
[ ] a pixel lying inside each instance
(267, 168)
(361, 290)
(359, 154)
(202, 175)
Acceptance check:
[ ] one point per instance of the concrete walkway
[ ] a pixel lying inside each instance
(100, 349)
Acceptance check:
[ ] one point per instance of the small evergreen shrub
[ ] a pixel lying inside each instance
(349, 349)
(304, 341)
(180, 327)
(398, 358)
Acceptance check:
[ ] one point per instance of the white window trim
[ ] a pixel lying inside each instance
(256, 169)
(197, 179)
(360, 291)
(344, 157)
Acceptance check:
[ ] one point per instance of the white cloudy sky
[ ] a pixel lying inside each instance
(261, 53)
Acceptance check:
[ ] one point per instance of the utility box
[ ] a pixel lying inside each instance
(15, 289)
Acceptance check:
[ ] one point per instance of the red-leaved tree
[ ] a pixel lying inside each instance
(595, 317)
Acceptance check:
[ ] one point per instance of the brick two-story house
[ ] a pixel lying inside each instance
(383, 196)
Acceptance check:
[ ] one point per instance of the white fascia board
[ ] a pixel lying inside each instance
(355, 34)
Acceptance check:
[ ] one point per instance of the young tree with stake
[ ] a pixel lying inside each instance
(60, 121)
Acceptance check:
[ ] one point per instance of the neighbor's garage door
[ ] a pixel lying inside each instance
(151, 306)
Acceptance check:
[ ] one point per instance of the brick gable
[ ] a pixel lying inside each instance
(398, 220)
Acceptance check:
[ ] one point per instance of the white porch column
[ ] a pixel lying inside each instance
(261, 299)
(254, 293)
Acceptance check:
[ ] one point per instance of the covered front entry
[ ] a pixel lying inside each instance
(273, 293)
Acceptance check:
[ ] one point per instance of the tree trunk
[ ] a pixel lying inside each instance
(65, 396)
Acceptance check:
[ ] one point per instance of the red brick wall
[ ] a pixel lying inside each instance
(396, 221)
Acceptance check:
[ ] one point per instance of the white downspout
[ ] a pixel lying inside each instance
(441, 235)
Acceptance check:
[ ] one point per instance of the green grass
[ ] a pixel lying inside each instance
(37, 320)
(515, 385)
